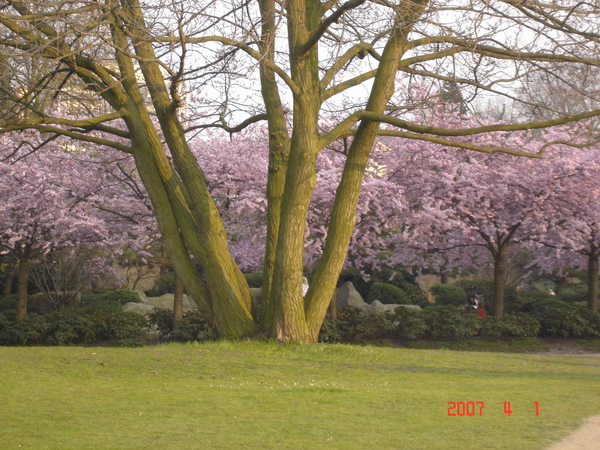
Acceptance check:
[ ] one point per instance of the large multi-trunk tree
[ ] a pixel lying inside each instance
(128, 74)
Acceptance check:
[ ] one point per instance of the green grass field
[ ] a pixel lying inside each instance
(258, 395)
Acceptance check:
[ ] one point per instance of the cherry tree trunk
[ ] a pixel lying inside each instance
(24, 265)
(499, 280)
(444, 277)
(592, 282)
(10, 276)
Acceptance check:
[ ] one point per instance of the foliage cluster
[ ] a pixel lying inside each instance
(254, 279)
(448, 294)
(102, 323)
(165, 284)
(122, 296)
(369, 285)
(450, 322)
(192, 327)
(572, 322)
(387, 294)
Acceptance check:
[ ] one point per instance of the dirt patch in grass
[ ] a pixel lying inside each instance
(586, 436)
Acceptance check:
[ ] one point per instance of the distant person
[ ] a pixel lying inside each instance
(481, 310)
(471, 301)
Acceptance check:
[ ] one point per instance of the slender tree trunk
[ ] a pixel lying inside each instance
(24, 265)
(444, 277)
(279, 150)
(499, 280)
(592, 281)
(559, 283)
(10, 276)
(177, 301)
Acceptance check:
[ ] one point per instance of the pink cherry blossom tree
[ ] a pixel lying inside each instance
(573, 217)
(58, 198)
(467, 207)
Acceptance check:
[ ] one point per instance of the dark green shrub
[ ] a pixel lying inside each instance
(544, 305)
(102, 309)
(387, 294)
(409, 323)
(4, 322)
(357, 279)
(353, 325)
(165, 284)
(254, 279)
(28, 330)
(100, 324)
(127, 329)
(535, 295)
(448, 294)
(572, 322)
(121, 296)
(101, 314)
(511, 325)
(414, 293)
(8, 303)
(449, 322)
(573, 293)
(193, 325)
(329, 332)
(162, 319)
(592, 317)
(69, 327)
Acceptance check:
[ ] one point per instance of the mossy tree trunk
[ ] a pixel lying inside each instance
(279, 149)
(296, 318)
(187, 216)
(177, 300)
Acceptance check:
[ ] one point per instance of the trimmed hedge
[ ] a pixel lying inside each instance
(353, 325)
(449, 322)
(102, 324)
(254, 279)
(448, 294)
(121, 296)
(193, 326)
(387, 294)
(572, 322)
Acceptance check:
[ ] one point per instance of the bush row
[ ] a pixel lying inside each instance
(102, 322)
(449, 322)
(193, 326)
(105, 323)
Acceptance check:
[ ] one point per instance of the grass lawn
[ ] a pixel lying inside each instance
(258, 395)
